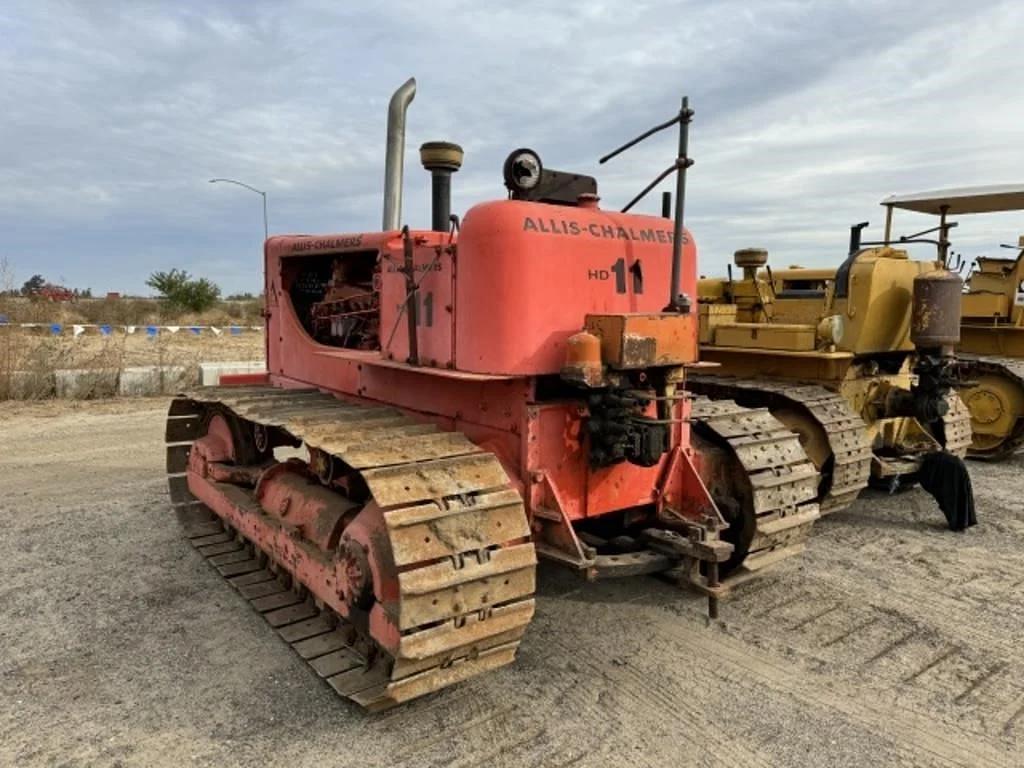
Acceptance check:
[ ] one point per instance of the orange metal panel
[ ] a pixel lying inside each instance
(283, 246)
(293, 356)
(527, 277)
(434, 275)
(529, 273)
(554, 456)
(643, 340)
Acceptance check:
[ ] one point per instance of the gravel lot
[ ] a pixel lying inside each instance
(890, 642)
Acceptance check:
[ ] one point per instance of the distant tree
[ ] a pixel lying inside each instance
(241, 297)
(33, 286)
(180, 291)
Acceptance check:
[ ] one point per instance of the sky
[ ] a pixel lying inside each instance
(116, 114)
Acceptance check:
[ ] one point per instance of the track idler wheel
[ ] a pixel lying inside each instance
(355, 579)
(236, 435)
(367, 577)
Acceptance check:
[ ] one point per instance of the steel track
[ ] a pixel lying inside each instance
(957, 423)
(783, 481)
(844, 429)
(457, 528)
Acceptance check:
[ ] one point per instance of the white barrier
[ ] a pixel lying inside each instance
(133, 381)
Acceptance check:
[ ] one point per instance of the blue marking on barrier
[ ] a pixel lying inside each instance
(56, 328)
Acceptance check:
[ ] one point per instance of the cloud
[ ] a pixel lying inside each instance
(808, 114)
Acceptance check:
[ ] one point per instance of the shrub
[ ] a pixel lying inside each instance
(181, 292)
(33, 285)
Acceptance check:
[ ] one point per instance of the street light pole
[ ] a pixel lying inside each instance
(260, 192)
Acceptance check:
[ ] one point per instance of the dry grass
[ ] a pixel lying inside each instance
(31, 358)
(126, 312)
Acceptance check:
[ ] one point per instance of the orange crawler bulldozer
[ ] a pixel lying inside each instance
(443, 406)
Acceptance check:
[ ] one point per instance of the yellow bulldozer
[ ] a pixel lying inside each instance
(858, 360)
(991, 350)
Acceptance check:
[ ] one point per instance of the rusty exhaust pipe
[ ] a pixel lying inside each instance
(394, 158)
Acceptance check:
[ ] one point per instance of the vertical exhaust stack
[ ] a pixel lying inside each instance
(442, 159)
(856, 232)
(394, 159)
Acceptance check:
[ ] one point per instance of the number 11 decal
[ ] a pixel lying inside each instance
(619, 268)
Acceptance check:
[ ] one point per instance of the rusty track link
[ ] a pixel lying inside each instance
(1011, 368)
(844, 429)
(784, 482)
(433, 486)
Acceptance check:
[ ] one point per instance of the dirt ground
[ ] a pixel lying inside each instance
(890, 642)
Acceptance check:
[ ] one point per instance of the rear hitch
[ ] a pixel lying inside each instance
(696, 551)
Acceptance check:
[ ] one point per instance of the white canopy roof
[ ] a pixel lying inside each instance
(988, 199)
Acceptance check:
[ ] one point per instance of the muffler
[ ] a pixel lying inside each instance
(394, 159)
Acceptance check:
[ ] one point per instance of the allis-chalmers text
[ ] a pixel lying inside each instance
(608, 231)
(324, 244)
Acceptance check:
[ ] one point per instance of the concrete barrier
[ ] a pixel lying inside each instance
(87, 384)
(27, 385)
(92, 383)
(155, 380)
